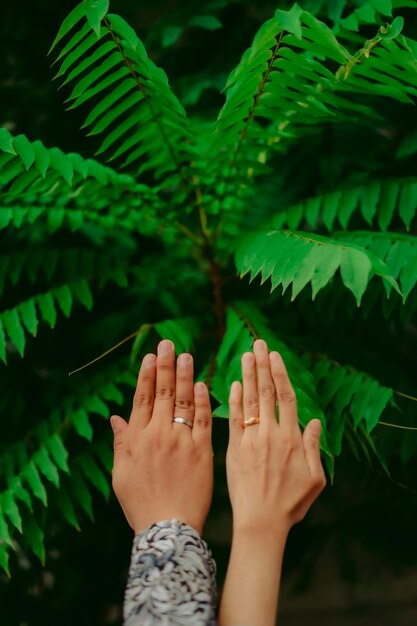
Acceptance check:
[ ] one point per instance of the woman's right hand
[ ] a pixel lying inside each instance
(274, 472)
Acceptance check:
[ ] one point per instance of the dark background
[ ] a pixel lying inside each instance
(353, 560)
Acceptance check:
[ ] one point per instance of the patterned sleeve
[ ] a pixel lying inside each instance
(171, 578)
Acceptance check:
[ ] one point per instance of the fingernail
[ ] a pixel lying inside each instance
(183, 359)
(114, 423)
(149, 360)
(165, 346)
(259, 345)
(274, 356)
(200, 388)
(235, 387)
(248, 358)
(315, 427)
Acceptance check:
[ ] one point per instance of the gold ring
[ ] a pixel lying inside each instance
(250, 421)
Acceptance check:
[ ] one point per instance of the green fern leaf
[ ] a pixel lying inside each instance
(345, 390)
(70, 21)
(31, 475)
(81, 493)
(375, 200)
(14, 329)
(300, 258)
(2, 343)
(397, 250)
(4, 559)
(34, 537)
(181, 331)
(45, 465)
(10, 509)
(95, 10)
(58, 452)
(64, 503)
(82, 424)
(147, 97)
(94, 474)
(4, 531)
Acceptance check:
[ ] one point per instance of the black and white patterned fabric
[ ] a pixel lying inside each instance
(171, 578)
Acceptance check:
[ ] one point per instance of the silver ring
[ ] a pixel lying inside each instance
(182, 420)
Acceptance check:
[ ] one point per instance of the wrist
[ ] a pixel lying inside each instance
(157, 519)
(255, 531)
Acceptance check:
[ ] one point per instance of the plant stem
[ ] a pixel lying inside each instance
(214, 269)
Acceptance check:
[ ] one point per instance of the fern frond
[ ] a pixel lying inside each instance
(142, 118)
(15, 322)
(25, 317)
(31, 475)
(44, 263)
(370, 12)
(346, 389)
(297, 258)
(287, 79)
(385, 66)
(345, 393)
(398, 251)
(377, 201)
(28, 168)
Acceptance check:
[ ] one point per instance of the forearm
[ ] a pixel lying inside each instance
(171, 578)
(250, 592)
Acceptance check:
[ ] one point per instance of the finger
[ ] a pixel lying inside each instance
(287, 403)
(266, 389)
(184, 391)
(145, 393)
(311, 444)
(250, 388)
(119, 427)
(163, 406)
(235, 413)
(202, 416)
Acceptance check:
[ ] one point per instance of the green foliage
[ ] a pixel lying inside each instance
(308, 140)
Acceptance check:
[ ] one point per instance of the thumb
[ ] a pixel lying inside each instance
(311, 443)
(119, 426)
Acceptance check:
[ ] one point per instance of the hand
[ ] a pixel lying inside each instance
(163, 469)
(274, 472)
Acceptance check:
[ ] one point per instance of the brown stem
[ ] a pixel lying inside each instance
(251, 113)
(214, 271)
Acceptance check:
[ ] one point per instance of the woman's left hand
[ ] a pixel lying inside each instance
(162, 469)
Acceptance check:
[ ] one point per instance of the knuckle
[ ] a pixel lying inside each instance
(252, 403)
(236, 422)
(164, 366)
(267, 391)
(141, 399)
(164, 393)
(263, 364)
(184, 403)
(146, 377)
(310, 443)
(202, 421)
(183, 378)
(287, 396)
(321, 481)
(117, 445)
(156, 438)
(288, 443)
(317, 484)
